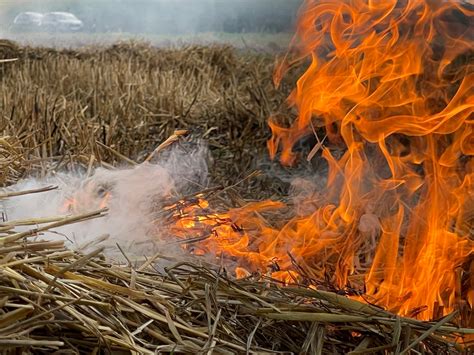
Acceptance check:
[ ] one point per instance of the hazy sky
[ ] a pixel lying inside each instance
(166, 16)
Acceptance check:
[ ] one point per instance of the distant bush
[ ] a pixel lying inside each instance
(171, 16)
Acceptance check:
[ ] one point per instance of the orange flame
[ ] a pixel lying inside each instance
(386, 79)
(221, 234)
(391, 81)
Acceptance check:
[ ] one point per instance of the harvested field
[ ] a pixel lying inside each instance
(130, 97)
(172, 200)
(258, 41)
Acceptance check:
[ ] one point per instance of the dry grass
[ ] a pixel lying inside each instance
(255, 40)
(130, 97)
(56, 300)
(102, 105)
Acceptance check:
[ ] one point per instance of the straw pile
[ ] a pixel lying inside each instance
(65, 107)
(57, 300)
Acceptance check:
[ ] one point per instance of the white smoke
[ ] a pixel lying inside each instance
(156, 21)
(134, 197)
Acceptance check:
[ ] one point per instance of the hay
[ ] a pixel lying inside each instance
(98, 107)
(55, 299)
(11, 160)
(130, 97)
(9, 53)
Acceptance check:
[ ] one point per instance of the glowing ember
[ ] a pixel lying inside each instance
(221, 234)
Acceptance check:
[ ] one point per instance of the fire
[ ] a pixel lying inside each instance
(221, 234)
(386, 82)
(392, 83)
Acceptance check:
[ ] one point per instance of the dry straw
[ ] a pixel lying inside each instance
(55, 299)
(130, 97)
(102, 106)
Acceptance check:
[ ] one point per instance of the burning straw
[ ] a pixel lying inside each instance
(53, 298)
(60, 299)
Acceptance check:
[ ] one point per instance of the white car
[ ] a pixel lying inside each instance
(28, 21)
(61, 22)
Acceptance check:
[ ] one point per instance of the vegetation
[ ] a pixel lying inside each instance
(268, 42)
(113, 105)
(131, 97)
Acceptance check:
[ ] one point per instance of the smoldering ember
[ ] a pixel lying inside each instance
(299, 182)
